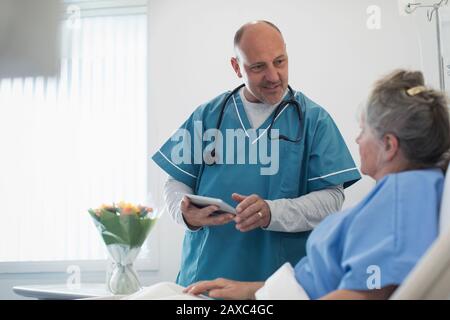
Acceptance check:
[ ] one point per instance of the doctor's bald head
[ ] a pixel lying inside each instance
(261, 61)
(241, 30)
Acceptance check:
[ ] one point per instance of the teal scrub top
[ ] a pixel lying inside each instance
(377, 242)
(320, 160)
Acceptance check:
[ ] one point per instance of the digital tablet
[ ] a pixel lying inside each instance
(202, 202)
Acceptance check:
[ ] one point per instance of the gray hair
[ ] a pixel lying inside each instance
(419, 118)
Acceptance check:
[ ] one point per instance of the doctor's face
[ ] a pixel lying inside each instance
(262, 63)
(370, 151)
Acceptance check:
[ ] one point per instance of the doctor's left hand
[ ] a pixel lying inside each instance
(252, 212)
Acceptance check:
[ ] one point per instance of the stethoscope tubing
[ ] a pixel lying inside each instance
(278, 110)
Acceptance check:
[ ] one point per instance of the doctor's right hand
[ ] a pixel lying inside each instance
(196, 217)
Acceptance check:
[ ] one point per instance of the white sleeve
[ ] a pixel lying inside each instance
(174, 191)
(304, 213)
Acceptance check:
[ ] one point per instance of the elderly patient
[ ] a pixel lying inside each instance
(367, 251)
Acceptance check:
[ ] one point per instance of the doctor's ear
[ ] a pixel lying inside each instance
(391, 146)
(235, 65)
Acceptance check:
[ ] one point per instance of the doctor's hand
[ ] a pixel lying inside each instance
(252, 212)
(196, 217)
(225, 289)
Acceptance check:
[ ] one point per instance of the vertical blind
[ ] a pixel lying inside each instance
(73, 142)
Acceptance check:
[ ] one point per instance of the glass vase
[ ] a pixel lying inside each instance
(122, 278)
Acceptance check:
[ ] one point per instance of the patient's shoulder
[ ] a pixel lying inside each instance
(407, 193)
(414, 183)
(421, 175)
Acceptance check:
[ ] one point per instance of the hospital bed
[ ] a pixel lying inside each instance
(430, 279)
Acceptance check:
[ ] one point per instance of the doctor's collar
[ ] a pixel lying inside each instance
(245, 100)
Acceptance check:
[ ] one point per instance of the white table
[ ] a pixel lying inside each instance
(63, 292)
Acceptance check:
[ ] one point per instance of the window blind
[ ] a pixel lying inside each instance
(73, 142)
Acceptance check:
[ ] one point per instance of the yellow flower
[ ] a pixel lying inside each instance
(128, 208)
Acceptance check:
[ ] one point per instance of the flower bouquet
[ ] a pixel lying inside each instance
(124, 228)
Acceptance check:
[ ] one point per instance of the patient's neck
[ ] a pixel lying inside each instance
(394, 166)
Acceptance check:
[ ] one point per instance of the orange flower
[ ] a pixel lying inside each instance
(128, 211)
(128, 208)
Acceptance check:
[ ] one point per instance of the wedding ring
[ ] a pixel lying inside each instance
(259, 214)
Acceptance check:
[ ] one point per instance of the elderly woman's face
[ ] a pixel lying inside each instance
(370, 151)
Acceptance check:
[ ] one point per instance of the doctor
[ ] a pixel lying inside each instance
(264, 148)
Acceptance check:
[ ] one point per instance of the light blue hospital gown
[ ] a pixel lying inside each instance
(319, 161)
(385, 235)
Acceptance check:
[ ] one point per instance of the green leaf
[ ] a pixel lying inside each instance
(129, 230)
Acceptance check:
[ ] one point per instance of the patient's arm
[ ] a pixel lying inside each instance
(376, 294)
(229, 289)
(225, 289)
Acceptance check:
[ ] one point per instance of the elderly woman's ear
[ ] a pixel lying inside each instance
(391, 146)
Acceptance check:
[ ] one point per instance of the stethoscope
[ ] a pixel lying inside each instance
(210, 158)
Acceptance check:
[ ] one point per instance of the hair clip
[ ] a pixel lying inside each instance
(415, 90)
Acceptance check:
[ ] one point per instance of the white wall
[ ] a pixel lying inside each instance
(445, 16)
(334, 59)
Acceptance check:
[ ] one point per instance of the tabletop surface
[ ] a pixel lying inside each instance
(63, 291)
